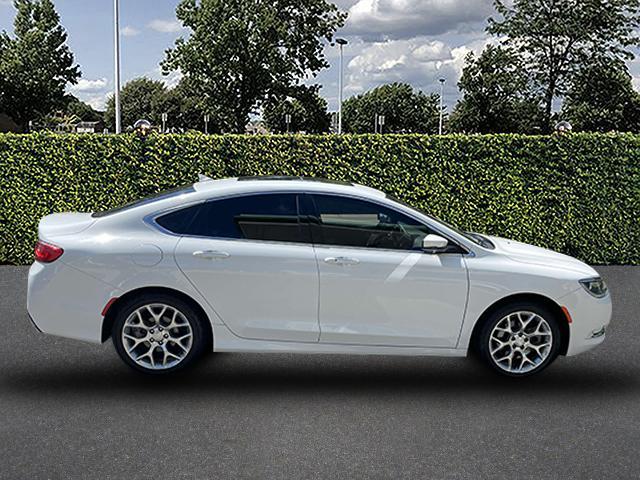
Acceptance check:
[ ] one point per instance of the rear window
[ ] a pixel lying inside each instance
(175, 192)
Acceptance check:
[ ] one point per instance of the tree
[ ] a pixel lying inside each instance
(142, 98)
(308, 112)
(405, 110)
(497, 95)
(36, 64)
(557, 37)
(82, 110)
(190, 109)
(601, 98)
(241, 53)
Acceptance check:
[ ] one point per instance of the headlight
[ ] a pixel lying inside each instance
(595, 286)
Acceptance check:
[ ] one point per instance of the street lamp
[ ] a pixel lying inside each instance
(441, 80)
(164, 117)
(563, 127)
(116, 39)
(341, 43)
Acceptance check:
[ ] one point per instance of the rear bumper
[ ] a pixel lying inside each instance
(66, 302)
(590, 319)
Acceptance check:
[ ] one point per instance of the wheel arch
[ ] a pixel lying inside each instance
(526, 297)
(114, 307)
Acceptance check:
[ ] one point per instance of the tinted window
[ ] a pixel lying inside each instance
(358, 223)
(178, 221)
(474, 237)
(271, 217)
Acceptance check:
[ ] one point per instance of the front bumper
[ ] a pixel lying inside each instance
(590, 319)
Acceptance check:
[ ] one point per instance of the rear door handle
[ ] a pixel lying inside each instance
(211, 254)
(342, 260)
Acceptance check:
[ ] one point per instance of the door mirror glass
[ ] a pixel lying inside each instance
(434, 243)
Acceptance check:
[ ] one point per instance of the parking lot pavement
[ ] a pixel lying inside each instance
(72, 410)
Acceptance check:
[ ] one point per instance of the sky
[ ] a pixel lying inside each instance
(413, 41)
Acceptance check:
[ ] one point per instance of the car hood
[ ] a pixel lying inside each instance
(525, 253)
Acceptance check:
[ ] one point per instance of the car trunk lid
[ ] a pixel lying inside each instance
(58, 224)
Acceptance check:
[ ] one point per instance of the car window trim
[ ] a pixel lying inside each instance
(316, 220)
(150, 220)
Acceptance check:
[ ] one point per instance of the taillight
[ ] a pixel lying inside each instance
(47, 253)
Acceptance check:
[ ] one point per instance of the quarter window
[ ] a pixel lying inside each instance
(178, 221)
(358, 223)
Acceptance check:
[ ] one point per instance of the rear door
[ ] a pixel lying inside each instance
(377, 286)
(253, 260)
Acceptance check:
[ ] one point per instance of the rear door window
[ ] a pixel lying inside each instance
(268, 217)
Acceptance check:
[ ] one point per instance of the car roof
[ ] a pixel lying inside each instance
(256, 184)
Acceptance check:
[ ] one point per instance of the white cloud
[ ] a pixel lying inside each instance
(86, 85)
(129, 31)
(165, 26)
(419, 61)
(377, 19)
(98, 101)
(170, 80)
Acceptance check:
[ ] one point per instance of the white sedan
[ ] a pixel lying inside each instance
(289, 264)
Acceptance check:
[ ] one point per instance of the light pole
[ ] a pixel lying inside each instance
(441, 111)
(116, 39)
(341, 43)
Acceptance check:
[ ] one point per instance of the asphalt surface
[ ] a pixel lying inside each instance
(73, 410)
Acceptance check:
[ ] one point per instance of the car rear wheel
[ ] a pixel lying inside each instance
(157, 333)
(519, 339)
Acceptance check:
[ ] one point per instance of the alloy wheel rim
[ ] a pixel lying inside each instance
(520, 342)
(157, 336)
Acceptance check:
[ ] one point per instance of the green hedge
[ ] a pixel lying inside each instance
(578, 194)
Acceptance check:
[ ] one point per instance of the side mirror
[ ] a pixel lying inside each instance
(434, 243)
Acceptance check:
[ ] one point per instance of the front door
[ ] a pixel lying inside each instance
(377, 286)
(252, 259)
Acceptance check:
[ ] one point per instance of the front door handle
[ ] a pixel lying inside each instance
(342, 260)
(211, 254)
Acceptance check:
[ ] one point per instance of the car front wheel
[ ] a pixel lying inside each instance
(519, 339)
(158, 334)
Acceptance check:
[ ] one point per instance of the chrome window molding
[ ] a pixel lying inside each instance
(150, 220)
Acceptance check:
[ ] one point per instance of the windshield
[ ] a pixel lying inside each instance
(472, 237)
(174, 192)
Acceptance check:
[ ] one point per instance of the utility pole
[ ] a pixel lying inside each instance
(441, 107)
(116, 39)
(164, 122)
(341, 43)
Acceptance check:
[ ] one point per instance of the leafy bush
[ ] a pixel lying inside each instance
(578, 194)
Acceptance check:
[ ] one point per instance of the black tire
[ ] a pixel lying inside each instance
(482, 341)
(197, 344)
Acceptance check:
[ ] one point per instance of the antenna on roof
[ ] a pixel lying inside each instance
(204, 178)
